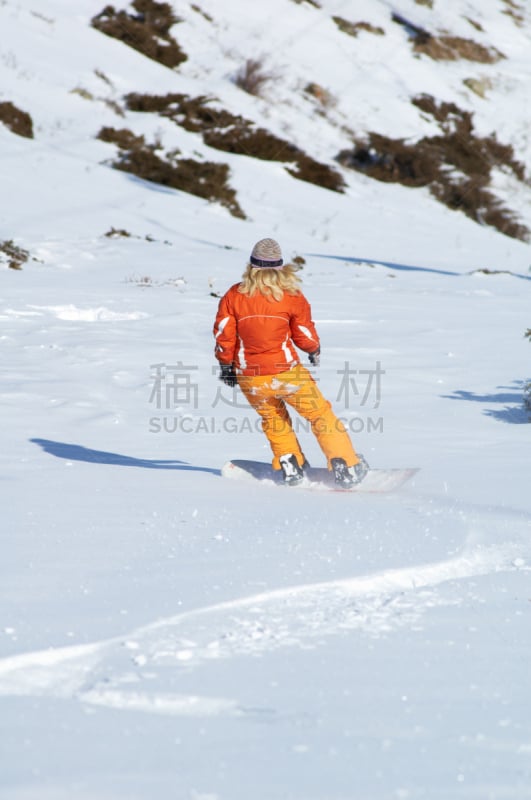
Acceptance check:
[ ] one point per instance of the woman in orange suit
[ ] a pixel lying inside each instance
(259, 324)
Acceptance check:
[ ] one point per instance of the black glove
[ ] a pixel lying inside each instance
(315, 357)
(227, 375)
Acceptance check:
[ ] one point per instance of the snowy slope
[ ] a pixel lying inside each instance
(166, 633)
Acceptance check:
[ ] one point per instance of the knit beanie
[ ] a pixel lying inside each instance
(267, 253)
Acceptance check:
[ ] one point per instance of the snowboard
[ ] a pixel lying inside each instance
(316, 478)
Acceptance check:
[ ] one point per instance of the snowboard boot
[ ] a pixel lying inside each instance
(293, 473)
(347, 477)
(360, 469)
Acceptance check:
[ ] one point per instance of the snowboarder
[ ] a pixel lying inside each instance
(258, 323)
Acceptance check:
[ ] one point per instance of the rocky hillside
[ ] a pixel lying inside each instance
(420, 93)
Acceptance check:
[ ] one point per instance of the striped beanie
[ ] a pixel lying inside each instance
(267, 253)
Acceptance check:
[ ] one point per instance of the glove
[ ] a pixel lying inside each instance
(315, 357)
(227, 375)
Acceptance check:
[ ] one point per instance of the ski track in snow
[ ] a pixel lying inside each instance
(109, 673)
(71, 313)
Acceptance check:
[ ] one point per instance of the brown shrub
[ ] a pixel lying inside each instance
(148, 31)
(455, 165)
(470, 153)
(235, 134)
(123, 138)
(306, 169)
(252, 77)
(208, 180)
(261, 144)
(191, 113)
(453, 48)
(448, 115)
(15, 256)
(353, 28)
(471, 196)
(150, 102)
(17, 121)
(117, 233)
(245, 140)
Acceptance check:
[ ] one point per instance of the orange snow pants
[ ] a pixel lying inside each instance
(269, 395)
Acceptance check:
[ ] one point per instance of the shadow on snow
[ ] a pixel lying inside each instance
(75, 452)
(514, 411)
(390, 264)
(412, 268)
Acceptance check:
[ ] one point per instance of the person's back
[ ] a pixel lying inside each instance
(267, 328)
(259, 323)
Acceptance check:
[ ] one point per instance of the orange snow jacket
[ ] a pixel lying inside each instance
(257, 334)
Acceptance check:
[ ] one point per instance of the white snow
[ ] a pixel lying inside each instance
(166, 633)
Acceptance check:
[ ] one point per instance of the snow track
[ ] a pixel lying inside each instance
(108, 673)
(71, 313)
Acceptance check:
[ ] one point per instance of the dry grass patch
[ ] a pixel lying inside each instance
(456, 165)
(121, 233)
(147, 31)
(17, 121)
(479, 86)
(299, 261)
(234, 134)
(475, 24)
(205, 179)
(454, 48)
(313, 3)
(445, 47)
(353, 28)
(83, 93)
(325, 98)
(252, 77)
(515, 11)
(86, 95)
(200, 11)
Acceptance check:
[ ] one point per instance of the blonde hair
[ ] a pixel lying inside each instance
(271, 283)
